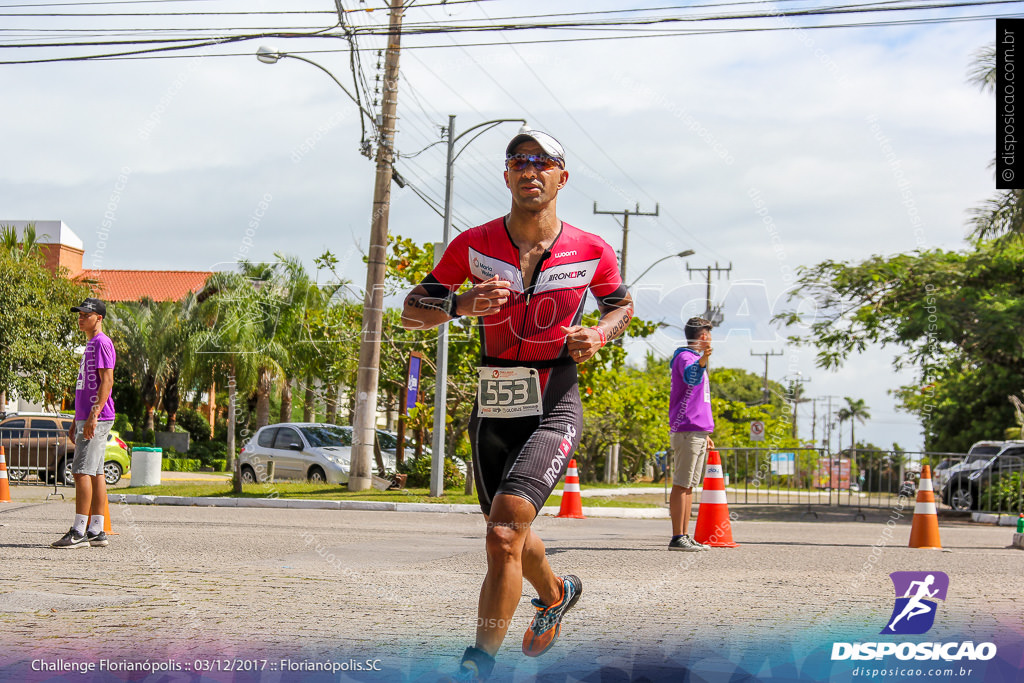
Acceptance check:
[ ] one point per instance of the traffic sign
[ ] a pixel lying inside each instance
(757, 430)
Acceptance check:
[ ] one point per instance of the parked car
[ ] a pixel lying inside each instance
(978, 450)
(313, 451)
(389, 444)
(968, 481)
(37, 443)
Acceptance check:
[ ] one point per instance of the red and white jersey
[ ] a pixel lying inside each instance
(527, 329)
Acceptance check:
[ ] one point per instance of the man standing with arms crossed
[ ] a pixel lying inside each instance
(690, 426)
(530, 274)
(94, 415)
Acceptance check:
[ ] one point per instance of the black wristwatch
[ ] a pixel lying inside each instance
(452, 306)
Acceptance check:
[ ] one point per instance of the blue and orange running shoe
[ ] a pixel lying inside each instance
(547, 623)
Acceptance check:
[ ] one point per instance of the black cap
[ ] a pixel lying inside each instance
(91, 305)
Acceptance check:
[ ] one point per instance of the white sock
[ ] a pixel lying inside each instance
(95, 524)
(79, 525)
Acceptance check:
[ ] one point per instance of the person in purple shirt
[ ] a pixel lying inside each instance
(94, 415)
(690, 427)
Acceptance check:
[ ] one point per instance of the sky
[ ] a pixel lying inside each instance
(762, 151)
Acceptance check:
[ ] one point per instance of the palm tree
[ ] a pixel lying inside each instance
(1003, 215)
(25, 246)
(148, 336)
(237, 340)
(854, 411)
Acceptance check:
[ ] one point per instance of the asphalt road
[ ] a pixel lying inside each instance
(297, 588)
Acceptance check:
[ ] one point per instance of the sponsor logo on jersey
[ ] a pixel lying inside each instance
(485, 267)
(567, 275)
(563, 254)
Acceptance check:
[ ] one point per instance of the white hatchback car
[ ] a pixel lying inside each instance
(311, 451)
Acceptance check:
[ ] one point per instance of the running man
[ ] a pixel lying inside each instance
(529, 274)
(915, 605)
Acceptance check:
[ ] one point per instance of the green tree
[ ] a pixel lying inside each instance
(953, 315)
(38, 332)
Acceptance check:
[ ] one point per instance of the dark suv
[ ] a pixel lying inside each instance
(968, 481)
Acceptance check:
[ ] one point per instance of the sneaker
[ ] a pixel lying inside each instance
(547, 623)
(685, 544)
(97, 540)
(72, 539)
(476, 666)
(702, 546)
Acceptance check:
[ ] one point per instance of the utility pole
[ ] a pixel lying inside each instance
(766, 356)
(626, 213)
(712, 314)
(363, 432)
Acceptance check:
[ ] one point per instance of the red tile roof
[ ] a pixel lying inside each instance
(158, 285)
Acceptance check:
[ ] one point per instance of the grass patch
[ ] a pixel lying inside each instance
(307, 491)
(298, 491)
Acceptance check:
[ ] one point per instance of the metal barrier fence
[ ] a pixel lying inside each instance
(37, 457)
(872, 479)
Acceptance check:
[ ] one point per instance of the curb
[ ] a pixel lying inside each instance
(997, 519)
(367, 505)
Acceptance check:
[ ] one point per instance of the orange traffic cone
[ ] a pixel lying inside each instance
(5, 486)
(106, 518)
(924, 530)
(713, 527)
(572, 503)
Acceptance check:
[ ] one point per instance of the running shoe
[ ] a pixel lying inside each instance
(97, 540)
(702, 546)
(685, 544)
(476, 666)
(547, 623)
(72, 539)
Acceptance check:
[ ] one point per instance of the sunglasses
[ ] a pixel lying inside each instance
(519, 162)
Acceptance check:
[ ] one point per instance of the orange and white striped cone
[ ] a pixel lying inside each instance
(106, 517)
(713, 527)
(924, 530)
(572, 503)
(5, 486)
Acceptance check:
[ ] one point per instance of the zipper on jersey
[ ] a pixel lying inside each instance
(529, 293)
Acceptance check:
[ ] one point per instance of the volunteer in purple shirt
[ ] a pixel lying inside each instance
(690, 424)
(94, 415)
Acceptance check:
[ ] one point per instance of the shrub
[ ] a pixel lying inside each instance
(121, 424)
(418, 471)
(219, 465)
(208, 451)
(193, 422)
(181, 465)
(1005, 495)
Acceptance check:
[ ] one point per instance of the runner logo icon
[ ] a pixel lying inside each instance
(916, 595)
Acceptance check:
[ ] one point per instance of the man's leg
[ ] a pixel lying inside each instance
(508, 529)
(83, 494)
(680, 500)
(538, 572)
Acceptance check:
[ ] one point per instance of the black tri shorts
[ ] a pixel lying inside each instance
(526, 456)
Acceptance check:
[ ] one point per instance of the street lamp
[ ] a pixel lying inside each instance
(367, 375)
(682, 254)
(270, 55)
(440, 386)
